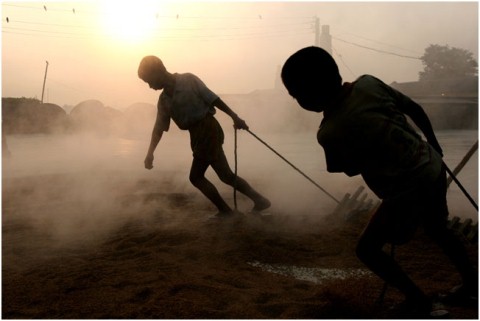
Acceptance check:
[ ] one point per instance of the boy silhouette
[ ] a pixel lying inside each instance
(191, 105)
(364, 131)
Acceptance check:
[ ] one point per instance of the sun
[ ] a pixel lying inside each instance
(129, 21)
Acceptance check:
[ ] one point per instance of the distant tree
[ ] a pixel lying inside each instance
(442, 62)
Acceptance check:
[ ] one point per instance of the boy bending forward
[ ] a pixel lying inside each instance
(364, 131)
(191, 105)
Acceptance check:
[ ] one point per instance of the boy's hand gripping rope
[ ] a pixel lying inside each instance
(235, 180)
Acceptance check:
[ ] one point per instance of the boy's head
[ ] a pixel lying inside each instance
(311, 76)
(152, 71)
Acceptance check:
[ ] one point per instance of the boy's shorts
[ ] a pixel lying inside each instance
(424, 205)
(206, 139)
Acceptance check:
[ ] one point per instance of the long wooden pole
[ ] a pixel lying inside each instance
(294, 167)
(464, 161)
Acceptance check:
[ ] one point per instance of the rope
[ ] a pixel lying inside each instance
(294, 167)
(236, 166)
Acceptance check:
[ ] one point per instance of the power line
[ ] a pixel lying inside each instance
(261, 31)
(343, 62)
(173, 16)
(38, 32)
(380, 42)
(304, 24)
(44, 8)
(229, 36)
(377, 50)
(47, 24)
(264, 29)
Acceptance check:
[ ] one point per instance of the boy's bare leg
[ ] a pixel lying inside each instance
(449, 242)
(370, 252)
(387, 268)
(226, 175)
(197, 178)
(453, 247)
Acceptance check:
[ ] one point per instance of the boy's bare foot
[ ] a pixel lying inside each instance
(261, 204)
(460, 295)
(422, 309)
(226, 215)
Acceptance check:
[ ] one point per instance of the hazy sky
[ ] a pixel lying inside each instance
(93, 48)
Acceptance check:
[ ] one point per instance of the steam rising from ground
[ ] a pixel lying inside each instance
(83, 186)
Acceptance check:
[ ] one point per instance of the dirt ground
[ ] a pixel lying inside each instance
(91, 246)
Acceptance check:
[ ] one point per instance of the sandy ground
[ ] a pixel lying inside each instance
(92, 245)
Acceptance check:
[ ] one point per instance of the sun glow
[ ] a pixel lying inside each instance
(129, 21)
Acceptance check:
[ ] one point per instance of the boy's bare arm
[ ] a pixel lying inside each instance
(156, 137)
(420, 118)
(237, 121)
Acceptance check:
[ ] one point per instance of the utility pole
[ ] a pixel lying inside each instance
(44, 80)
(326, 39)
(323, 39)
(317, 32)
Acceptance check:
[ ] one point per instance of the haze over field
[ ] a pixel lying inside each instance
(93, 48)
(89, 233)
